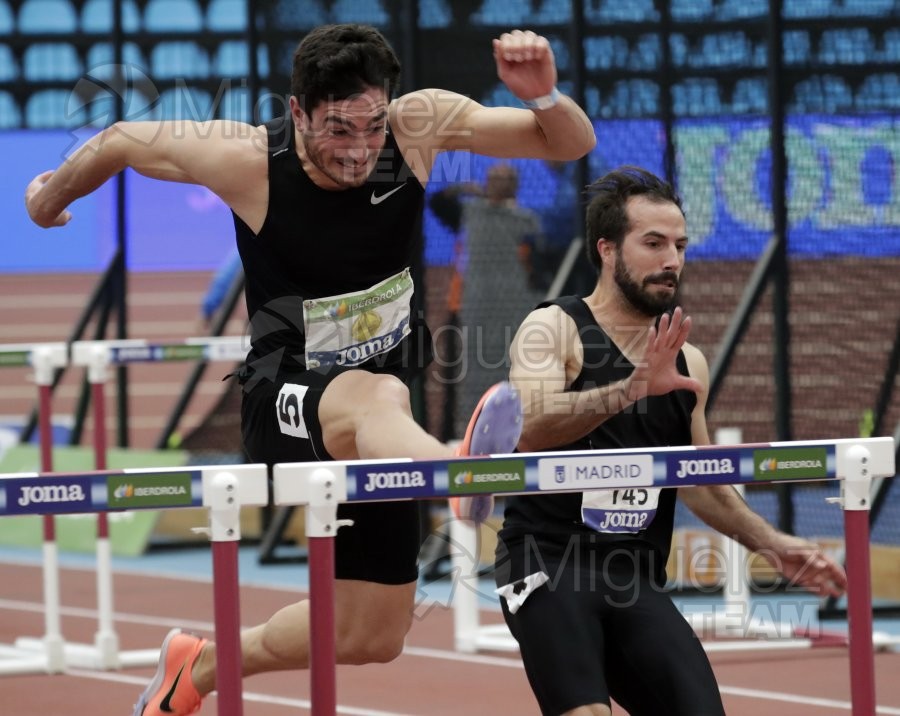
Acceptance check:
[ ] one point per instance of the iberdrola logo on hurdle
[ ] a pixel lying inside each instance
(493, 476)
(790, 463)
(166, 489)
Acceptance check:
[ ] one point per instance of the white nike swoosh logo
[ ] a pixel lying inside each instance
(378, 199)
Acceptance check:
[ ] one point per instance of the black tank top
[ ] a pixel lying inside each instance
(316, 243)
(656, 421)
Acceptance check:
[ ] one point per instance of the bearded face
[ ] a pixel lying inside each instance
(653, 295)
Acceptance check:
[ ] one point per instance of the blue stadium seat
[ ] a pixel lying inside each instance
(54, 108)
(369, 13)
(696, 97)
(633, 11)
(560, 47)
(299, 14)
(507, 13)
(879, 92)
(227, 15)
(10, 115)
(750, 97)
(604, 53)
(804, 9)
(97, 16)
(179, 59)
(646, 54)
(185, 103)
(236, 104)
(500, 96)
(553, 12)
(264, 106)
(742, 9)
(173, 16)
(101, 110)
(866, 8)
(851, 46)
(825, 94)
(46, 16)
(691, 10)
(45, 61)
(796, 47)
(9, 68)
(7, 20)
(434, 14)
(232, 60)
(100, 59)
(891, 46)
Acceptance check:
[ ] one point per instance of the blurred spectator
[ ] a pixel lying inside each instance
(491, 291)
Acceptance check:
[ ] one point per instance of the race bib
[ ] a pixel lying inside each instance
(620, 511)
(352, 328)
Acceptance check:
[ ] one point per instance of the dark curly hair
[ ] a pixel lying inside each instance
(335, 62)
(607, 217)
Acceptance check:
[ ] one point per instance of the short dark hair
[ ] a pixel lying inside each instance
(335, 62)
(606, 215)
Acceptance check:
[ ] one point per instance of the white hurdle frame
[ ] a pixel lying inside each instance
(735, 619)
(52, 653)
(44, 359)
(223, 490)
(320, 486)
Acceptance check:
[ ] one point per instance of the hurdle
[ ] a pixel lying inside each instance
(44, 359)
(735, 618)
(222, 489)
(321, 486)
(97, 357)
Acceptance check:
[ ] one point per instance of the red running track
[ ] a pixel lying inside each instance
(428, 679)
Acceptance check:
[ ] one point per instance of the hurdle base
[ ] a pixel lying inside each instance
(103, 656)
(492, 637)
(15, 661)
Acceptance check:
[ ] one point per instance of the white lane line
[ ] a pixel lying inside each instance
(248, 695)
(805, 700)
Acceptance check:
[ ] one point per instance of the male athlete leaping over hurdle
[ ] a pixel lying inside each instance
(327, 202)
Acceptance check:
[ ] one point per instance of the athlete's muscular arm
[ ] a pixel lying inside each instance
(723, 509)
(546, 356)
(433, 120)
(229, 158)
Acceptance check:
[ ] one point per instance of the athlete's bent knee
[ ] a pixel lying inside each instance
(374, 646)
(388, 390)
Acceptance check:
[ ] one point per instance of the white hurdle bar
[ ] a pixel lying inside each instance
(320, 487)
(222, 489)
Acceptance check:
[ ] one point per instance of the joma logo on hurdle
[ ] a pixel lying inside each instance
(708, 466)
(394, 480)
(41, 494)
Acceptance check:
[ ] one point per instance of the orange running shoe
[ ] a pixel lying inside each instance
(172, 691)
(495, 427)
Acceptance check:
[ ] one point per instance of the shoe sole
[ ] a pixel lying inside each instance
(496, 424)
(160, 676)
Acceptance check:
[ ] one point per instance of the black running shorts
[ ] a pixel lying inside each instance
(601, 631)
(280, 423)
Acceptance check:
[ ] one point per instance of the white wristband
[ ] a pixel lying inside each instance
(545, 102)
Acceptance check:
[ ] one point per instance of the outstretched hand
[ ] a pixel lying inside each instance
(32, 192)
(657, 373)
(806, 565)
(525, 63)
